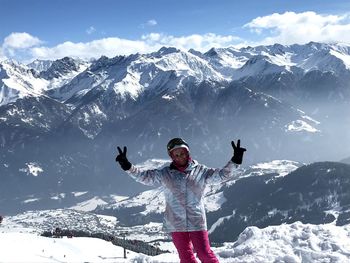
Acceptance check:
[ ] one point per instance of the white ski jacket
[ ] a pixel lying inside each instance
(184, 192)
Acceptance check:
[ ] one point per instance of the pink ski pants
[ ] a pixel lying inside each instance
(183, 242)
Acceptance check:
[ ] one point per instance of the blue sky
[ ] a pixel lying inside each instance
(50, 29)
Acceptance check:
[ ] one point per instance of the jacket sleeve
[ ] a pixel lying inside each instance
(218, 175)
(147, 177)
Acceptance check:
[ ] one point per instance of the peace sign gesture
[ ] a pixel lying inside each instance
(122, 160)
(237, 152)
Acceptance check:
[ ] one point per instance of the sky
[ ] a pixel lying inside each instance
(52, 29)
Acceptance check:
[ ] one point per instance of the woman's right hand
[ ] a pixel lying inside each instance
(122, 160)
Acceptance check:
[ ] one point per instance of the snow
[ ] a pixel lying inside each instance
(31, 200)
(19, 83)
(148, 233)
(153, 200)
(309, 118)
(281, 60)
(40, 65)
(89, 205)
(58, 196)
(137, 73)
(214, 202)
(220, 221)
(230, 58)
(299, 126)
(168, 97)
(41, 249)
(32, 168)
(185, 64)
(91, 120)
(76, 194)
(343, 57)
(129, 85)
(258, 65)
(65, 79)
(118, 198)
(292, 243)
(151, 71)
(281, 167)
(36, 85)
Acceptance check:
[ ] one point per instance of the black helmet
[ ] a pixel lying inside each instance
(176, 143)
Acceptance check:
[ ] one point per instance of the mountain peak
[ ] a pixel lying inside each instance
(211, 52)
(168, 50)
(40, 65)
(137, 73)
(61, 67)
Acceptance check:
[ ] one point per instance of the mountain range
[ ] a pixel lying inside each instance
(61, 121)
(265, 194)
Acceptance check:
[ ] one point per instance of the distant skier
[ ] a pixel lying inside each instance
(184, 181)
(1, 218)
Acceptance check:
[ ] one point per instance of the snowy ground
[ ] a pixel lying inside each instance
(295, 243)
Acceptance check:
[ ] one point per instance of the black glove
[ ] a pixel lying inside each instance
(237, 152)
(122, 160)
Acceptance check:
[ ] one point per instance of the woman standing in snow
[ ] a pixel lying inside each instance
(184, 181)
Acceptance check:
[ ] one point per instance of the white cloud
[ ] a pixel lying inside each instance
(152, 22)
(90, 30)
(149, 23)
(108, 47)
(2, 56)
(20, 41)
(111, 47)
(291, 28)
(195, 41)
(286, 28)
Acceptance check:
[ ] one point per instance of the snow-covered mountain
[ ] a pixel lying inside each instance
(75, 149)
(264, 194)
(264, 60)
(60, 124)
(134, 75)
(20, 81)
(307, 201)
(140, 73)
(40, 65)
(314, 193)
(152, 201)
(167, 70)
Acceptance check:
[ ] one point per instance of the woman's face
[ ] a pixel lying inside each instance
(179, 156)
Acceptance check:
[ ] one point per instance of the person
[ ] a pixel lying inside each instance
(184, 182)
